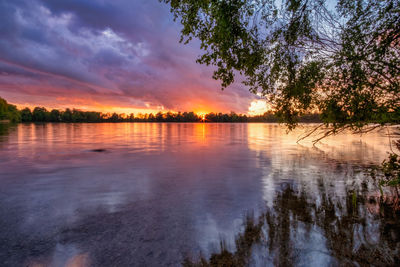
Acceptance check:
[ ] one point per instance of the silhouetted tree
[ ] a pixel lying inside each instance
(40, 114)
(170, 117)
(179, 117)
(159, 117)
(26, 115)
(55, 115)
(114, 117)
(131, 117)
(150, 117)
(66, 116)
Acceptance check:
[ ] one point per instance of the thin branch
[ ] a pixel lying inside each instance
(309, 133)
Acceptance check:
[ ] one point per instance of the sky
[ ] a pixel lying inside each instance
(111, 56)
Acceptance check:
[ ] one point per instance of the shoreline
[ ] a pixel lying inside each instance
(171, 122)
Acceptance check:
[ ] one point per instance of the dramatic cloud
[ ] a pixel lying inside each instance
(98, 54)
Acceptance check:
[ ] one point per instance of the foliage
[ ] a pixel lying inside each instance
(26, 115)
(13, 113)
(9, 112)
(41, 114)
(304, 55)
(3, 109)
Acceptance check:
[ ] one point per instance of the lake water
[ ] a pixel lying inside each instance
(148, 194)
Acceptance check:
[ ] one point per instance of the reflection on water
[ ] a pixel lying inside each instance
(154, 192)
(318, 229)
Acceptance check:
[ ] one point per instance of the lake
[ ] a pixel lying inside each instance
(151, 194)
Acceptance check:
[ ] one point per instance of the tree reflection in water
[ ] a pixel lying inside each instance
(4, 128)
(299, 229)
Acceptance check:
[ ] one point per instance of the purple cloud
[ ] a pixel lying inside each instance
(113, 53)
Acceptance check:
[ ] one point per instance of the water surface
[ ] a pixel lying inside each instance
(148, 194)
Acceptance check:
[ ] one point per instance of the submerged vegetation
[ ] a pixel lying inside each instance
(357, 229)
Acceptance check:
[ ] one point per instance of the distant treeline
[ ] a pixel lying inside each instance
(9, 112)
(41, 114)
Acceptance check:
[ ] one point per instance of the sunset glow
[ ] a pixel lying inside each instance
(112, 60)
(258, 107)
(199, 133)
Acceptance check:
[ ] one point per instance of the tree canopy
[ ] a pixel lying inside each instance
(9, 112)
(3, 109)
(340, 58)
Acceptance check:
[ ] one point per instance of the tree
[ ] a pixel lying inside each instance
(66, 116)
(114, 117)
(13, 113)
(179, 117)
(131, 117)
(77, 116)
(55, 115)
(40, 114)
(3, 109)
(26, 115)
(150, 117)
(9, 112)
(92, 116)
(190, 117)
(169, 117)
(304, 55)
(159, 117)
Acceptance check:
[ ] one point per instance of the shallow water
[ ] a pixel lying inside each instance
(148, 194)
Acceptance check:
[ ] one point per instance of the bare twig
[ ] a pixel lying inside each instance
(309, 133)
